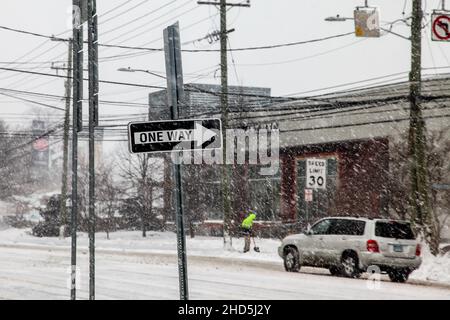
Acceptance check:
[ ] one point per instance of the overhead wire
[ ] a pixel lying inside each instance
(136, 19)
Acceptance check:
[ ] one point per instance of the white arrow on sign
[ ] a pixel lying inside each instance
(200, 135)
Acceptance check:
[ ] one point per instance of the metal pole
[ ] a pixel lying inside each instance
(307, 212)
(93, 118)
(174, 94)
(68, 85)
(77, 104)
(181, 237)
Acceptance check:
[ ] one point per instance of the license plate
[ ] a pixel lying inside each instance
(398, 248)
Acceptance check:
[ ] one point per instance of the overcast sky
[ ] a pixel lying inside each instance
(285, 70)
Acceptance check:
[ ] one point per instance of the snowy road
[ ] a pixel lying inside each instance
(42, 273)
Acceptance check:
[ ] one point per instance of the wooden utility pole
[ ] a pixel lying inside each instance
(419, 201)
(68, 86)
(93, 122)
(226, 174)
(77, 117)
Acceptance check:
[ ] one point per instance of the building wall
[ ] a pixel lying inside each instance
(362, 167)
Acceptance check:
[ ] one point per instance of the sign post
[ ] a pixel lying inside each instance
(175, 93)
(308, 199)
(175, 135)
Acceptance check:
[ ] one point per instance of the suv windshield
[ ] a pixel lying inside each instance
(394, 229)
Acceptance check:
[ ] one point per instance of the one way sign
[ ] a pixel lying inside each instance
(174, 135)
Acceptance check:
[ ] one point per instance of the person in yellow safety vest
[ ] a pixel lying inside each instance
(247, 225)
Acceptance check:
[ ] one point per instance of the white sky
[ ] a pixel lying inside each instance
(285, 70)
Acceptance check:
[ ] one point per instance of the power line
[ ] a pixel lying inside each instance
(154, 27)
(264, 47)
(57, 97)
(115, 8)
(123, 12)
(34, 102)
(101, 81)
(348, 83)
(53, 130)
(137, 19)
(194, 88)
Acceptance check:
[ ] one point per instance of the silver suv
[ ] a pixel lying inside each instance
(349, 246)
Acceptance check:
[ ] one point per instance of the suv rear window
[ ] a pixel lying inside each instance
(394, 229)
(347, 227)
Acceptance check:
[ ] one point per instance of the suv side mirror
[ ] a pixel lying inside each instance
(308, 231)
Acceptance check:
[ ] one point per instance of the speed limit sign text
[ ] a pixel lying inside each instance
(316, 173)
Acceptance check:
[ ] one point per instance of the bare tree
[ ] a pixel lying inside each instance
(143, 176)
(108, 195)
(15, 162)
(438, 165)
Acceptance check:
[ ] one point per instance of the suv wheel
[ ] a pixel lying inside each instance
(349, 266)
(399, 275)
(291, 260)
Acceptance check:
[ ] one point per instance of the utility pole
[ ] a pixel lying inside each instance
(68, 88)
(93, 122)
(419, 201)
(226, 174)
(77, 105)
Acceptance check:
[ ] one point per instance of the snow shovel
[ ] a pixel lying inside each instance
(255, 247)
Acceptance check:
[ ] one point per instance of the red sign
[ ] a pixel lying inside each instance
(440, 30)
(40, 144)
(308, 195)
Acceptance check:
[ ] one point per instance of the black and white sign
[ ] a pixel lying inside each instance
(174, 135)
(440, 27)
(316, 173)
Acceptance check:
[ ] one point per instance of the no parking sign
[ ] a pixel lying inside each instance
(440, 27)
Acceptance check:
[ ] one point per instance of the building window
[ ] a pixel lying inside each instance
(264, 194)
(323, 199)
(210, 192)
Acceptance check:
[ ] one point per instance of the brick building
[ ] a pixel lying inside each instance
(353, 131)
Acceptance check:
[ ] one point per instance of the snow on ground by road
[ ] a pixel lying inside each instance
(156, 242)
(433, 269)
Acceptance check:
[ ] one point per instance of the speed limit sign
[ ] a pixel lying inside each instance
(316, 173)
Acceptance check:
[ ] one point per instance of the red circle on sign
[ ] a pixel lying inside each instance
(438, 19)
(40, 144)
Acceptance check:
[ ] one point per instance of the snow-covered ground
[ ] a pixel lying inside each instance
(132, 267)
(155, 242)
